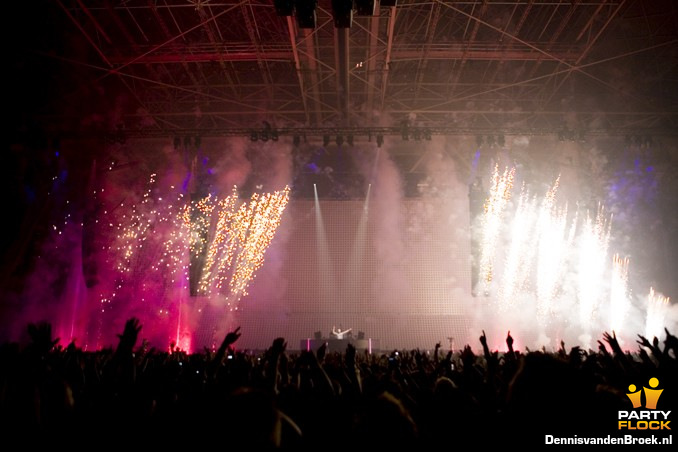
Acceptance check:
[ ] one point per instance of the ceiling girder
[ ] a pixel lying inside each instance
(208, 65)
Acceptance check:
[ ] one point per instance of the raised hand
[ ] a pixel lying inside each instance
(562, 352)
(644, 357)
(654, 346)
(509, 342)
(467, 357)
(232, 337)
(41, 335)
(576, 354)
(129, 335)
(322, 350)
(418, 358)
(642, 341)
(71, 348)
(486, 349)
(671, 342)
(483, 339)
(132, 329)
(350, 356)
(279, 346)
(614, 344)
(602, 349)
(436, 353)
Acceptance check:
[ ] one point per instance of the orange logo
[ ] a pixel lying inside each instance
(650, 418)
(651, 395)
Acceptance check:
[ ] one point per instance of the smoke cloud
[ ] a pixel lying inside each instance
(405, 279)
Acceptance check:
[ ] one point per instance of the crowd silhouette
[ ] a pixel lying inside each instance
(280, 399)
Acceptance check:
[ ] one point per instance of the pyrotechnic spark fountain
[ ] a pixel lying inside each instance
(519, 257)
(544, 248)
(220, 243)
(657, 305)
(619, 293)
(554, 245)
(593, 244)
(500, 194)
(171, 256)
(220, 252)
(255, 230)
(538, 248)
(133, 231)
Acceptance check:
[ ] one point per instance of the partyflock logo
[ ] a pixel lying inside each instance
(644, 416)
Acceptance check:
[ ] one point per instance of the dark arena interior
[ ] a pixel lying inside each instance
(423, 214)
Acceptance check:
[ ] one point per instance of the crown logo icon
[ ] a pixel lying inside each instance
(651, 394)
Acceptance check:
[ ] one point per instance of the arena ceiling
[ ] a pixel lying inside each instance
(177, 68)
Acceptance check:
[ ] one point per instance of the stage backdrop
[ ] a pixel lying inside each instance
(399, 272)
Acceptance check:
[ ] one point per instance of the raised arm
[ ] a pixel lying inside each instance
(41, 338)
(670, 343)
(129, 337)
(509, 344)
(352, 369)
(483, 342)
(226, 344)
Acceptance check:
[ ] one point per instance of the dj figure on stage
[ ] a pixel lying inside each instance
(339, 333)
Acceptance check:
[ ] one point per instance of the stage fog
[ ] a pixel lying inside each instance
(548, 239)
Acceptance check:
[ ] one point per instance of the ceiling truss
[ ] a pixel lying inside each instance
(226, 67)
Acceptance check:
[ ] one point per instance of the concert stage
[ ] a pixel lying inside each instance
(369, 345)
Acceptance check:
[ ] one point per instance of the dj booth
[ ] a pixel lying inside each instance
(339, 345)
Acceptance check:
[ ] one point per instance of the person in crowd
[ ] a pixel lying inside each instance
(340, 333)
(278, 399)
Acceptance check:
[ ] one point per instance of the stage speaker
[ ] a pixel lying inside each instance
(364, 7)
(342, 12)
(284, 7)
(305, 13)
